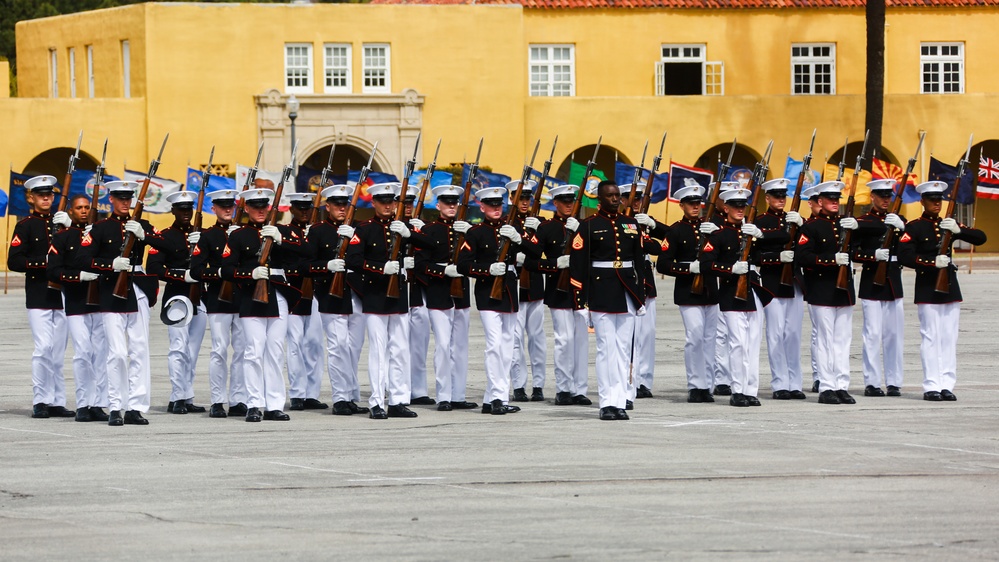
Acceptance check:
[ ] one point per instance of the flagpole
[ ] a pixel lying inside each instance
(974, 208)
(6, 270)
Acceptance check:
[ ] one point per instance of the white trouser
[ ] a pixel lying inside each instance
(499, 328)
(263, 358)
(813, 346)
(182, 356)
(721, 369)
(49, 330)
(459, 353)
(388, 358)
(700, 325)
(645, 348)
(571, 341)
(883, 327)
(305, 351)
(938, 328)
(128, 356)
(745, 334)
(442, 323)
(615, 335)
(784, 317)
(834, 331)
(90, 358)
(530, 318)
(419, 343)
(356, 327)
(337, 367)
(226, 330)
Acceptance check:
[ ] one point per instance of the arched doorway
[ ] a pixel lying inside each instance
(55, 160)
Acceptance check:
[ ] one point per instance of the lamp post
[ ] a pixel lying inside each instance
(293, 106)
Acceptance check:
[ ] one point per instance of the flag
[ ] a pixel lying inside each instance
(988, 178)
(680, 174)
(946, 173)
(550, 182)
(265, 179)
(17, 202)
(792, 169)
(588, 185)
(3, 203)
(155, 201)
(82, 182)
(215, 183)
(883, 170)
(439, 178)
(364, 200)
(740, 174)
(863, 194)
(624, 174)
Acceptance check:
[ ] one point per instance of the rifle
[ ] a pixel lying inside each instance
(420, 199)
(497, 292)
(881, 275)
(943, 276)
(697, 285)
(392, 291)
(647, 195)
(94, 289)
(194, 294)
(787, 271)
(525, 276)
(260, 292)
(225, 290)
(122, 284)
(336, 285)
(64, 196)
(308, 289)
(563, 278)
(843, 278)
(634, 184)
(742, 285)
(457, 284)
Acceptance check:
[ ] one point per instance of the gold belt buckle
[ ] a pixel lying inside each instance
(617, 264)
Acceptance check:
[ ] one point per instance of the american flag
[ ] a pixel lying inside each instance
(988, 178)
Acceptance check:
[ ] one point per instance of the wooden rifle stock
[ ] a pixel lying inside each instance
(697, 286)
(457, 284)
(787, 270)
(496, 293)
(946, 240)
(881, 274)
(742, 284)
(336, 285)
(563, 276)
(392, 291)
(194, 294)
(261, 291)
(122, 283)
(843, 277)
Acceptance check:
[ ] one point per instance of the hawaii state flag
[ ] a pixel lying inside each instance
(988, 178)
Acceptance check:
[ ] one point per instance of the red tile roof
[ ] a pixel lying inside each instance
(705, 4)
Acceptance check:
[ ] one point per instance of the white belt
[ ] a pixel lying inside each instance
(613, 264)
(277, 272)
(893, 258)
(138, 269)
(445, 264)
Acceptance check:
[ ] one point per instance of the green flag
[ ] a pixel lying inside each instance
(589, 184)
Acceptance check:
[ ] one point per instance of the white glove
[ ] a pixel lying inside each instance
(842, 258)
(345, 230)
(942, 262)
(794, 217)
(848, 223)
(510, 233)
(232, 228)
(391, 268)
(121, 264)
(271, 232)
(261, 272)
(336, 265)
(87, 276)
(532, 223)
(193, 238)
(695, 267)
(88, 228)
(740, 268)
(400, 228)
(305, 233)
(708, 227)
(751, 229)
(136, 229)
(951, 225)
(188, 278)
(417, 224)
(584, 313)
(645, 220)
(497, 269)
(61, 218)
(787, 256)
(572, 223)
(461, 227)
(562, 262)
(894, 221)
(641, 311)
(520, 258)
(881, 254)
(451, 271)
(408, 262)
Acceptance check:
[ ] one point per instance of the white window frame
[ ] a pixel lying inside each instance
(90, 70)
(126, 69)
(328, 69)
(935, 57)
(691, 52)
(545, 87)
(810, 60)
(305, 88)
(684, 52)
(53, 73)
(365, 68)
(72, 72)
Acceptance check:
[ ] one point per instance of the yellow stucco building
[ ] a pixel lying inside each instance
(223, 74)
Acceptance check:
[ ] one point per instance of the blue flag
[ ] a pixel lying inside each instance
(438, 179)
(364, 200)
(82, 183)
(680, 176)
(550, 182)
(484, 179)
(792, 169)
(215, 183)
(624, 174)
(947, 174)
(3, 203)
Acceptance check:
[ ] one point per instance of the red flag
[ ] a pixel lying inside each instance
(883, 170)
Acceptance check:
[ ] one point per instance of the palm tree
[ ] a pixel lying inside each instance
(875, 105)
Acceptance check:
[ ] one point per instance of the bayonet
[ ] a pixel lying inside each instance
(75, 157)
(842, 160)
(964, 163)
(860, 157)
(155, 164)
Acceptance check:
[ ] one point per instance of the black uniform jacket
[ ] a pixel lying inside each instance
(918, 249)
(99, 249)
(322, 243)
(609, 238)
(537, 282)
(551, 239)
(720, 253)
(863, 242)
(652, 242)
(679, 249)
(63, 251)
(296, 271)
(240, 257)
(171, 262)
(367, 253)
(818, 243)
(479, 251)
(417, 240)
(432, 260)
(27, 254)
(206, 263)
(773, 223)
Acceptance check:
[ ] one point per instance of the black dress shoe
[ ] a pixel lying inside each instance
(400, 411)
(252, 414)
(620, 414)
(723, 390)
(871, 390)
(815, 386)
(695, 396)
(948, 396)
(738, 400)
(753, 401)
(844, 397)
(444, 406)
(179, 407)
(643, 392)
(377, 413)
(97, 414)
(581, 400)
(932, 396)
(342, 409)
(237, 410)
(218, 411)
(464, 405)
(313, 404)
(797, 395)
(563, 398)
(170, 407)
(356, 409)
(487, 408)
(276, 415)
(629, 405)
(496, 406)
(519, 395)
(40, 411)
(195, 409)
(537, 395)
(609, 413)
(894, 391)
(510, 409)
(297, 404)
(115, 418)
(782, 395)
(61, 412)
(83, 415)
(134, 417)
(423, 401)
(828, 397)
(706, 395)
